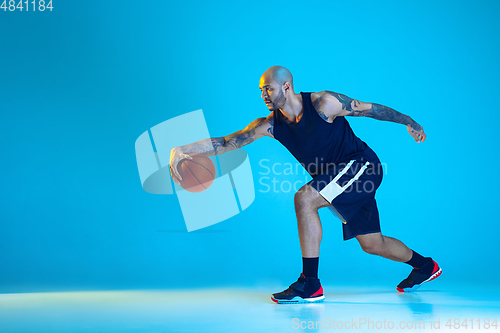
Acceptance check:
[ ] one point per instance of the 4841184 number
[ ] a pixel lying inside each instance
(26, 5)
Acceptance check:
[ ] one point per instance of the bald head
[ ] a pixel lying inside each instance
(278, 74)
(276, 85)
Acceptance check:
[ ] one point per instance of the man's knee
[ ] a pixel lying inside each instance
(308, 197)
(373, 244)
(372, 248)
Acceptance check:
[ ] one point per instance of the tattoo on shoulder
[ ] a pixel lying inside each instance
(316, 105)
(270, 130)
(323, 115)
(348, 104)
(343, 99)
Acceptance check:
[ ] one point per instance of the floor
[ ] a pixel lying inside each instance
(346, 308)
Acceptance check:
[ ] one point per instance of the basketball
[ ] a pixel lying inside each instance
(197, 174)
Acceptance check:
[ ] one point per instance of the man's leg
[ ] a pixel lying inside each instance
(387, 247)
(307, 202)
(307, 288)
(424, 269)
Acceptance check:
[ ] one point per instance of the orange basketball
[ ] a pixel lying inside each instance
(197, 174)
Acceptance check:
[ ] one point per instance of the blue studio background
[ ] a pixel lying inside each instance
(79, 84)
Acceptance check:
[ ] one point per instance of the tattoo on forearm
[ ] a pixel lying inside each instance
(238, 139)
(219, 145)
(381, 112)
(208, 147)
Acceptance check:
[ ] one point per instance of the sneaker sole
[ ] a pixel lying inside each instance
(299, 300)
(416, 286)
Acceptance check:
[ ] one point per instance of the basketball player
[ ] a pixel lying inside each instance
(345, 174)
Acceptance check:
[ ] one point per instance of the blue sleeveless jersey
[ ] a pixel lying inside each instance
(317, 144)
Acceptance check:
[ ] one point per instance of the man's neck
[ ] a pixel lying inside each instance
(293, 109)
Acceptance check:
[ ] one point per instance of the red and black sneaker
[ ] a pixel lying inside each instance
(426, 273)
(304, 290)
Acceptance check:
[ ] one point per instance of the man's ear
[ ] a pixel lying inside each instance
(286, 86)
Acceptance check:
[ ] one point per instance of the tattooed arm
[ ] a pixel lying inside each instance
(334, 104)
(214, 146)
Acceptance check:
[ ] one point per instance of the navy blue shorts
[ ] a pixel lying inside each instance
(350, 188)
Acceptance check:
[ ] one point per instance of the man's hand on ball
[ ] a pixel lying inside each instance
(419, 136)
(176, 155)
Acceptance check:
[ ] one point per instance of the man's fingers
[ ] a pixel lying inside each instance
(175, 173)
(419, 137)
(172, 173)
(175, 177)
(422, 136)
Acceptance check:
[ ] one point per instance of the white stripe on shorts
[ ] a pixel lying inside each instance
(332, 190)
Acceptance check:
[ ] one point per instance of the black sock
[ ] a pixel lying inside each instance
(417, 261)
(310, 267)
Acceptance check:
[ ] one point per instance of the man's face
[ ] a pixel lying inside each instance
(272, 94)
